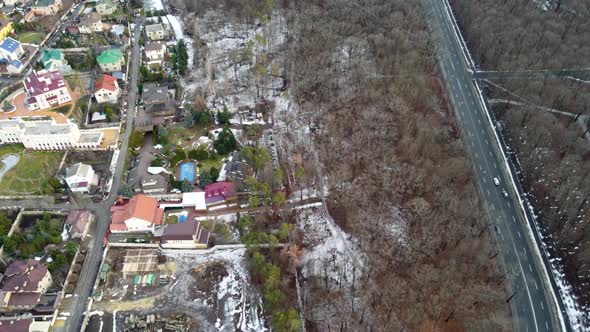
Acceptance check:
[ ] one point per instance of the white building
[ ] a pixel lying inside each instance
(11, 49)
(106, 7)
(106, 89)
(155, 52)
(46, 90)
(90, 23)
(46, 134)
(155, 31)
(79, 177)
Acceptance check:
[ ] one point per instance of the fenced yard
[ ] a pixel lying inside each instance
(33, 172)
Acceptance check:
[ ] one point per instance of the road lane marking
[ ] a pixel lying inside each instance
(519, 235)
(547, 325)
(476, 156)
(495, 167)
(530, 268)
(542, 307)
(536, 286)
(508, 203)
(491, 155)
(484, 179)
(513, 219)
(479, 121)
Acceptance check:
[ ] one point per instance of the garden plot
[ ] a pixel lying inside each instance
(213, 289)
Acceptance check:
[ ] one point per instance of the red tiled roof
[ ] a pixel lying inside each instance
(223, 188)
(106, 82)
(18, 267)
(139, 206)
(43, 83)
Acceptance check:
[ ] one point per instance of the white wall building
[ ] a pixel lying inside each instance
(106, 89)
(155, 52)
(46, 90)
(79, 177)
(155, 31)
(46, 134)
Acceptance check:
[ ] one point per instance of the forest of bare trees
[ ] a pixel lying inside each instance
(394, 157)
(545, 121)
(519, 34)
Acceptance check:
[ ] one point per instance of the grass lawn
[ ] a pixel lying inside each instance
(179, 135)
(207, 164)
(31, 37)
(30, 175)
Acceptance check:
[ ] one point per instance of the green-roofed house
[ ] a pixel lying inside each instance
(110, 60)
(105, 7)
(52, 59)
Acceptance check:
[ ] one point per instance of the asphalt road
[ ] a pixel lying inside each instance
(102, 210)
(532, 305)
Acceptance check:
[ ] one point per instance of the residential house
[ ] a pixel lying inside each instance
(234, 169)
(26, 276)
(23, 284)
(24, 325)
(10, 49)
(5, 27)
(78, 223)
(73, 30)
(140, 213)
(155, 31)
(54, 59)
(90, 23)
(155, 53)
(46, 90)
(46, 134)
(153, 184)
(188, 234)
(219, 192)
(106, 89)
(111, 60)
(11, 3)
(105, 7)
(79, 177)
(15, 67)
(46, 7)
(195, 200)
(158, 98)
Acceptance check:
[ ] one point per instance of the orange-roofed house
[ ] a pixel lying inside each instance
(106, 89)
(140, 213)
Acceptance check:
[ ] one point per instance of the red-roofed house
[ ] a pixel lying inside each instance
(46, 90)
(106, 89)
(140, 213)
(219, 192)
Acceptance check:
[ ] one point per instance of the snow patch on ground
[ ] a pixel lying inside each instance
(326, 252)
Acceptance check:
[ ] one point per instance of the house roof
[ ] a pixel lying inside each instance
(107, 3)
(89, 19)
(73, 29)
(79, 220)
(219, 191)
(139, 206)
(15, 63)
(4, 22)
(154, 27)
(51, 54)
(78, 169)
(23, 299)
(9, 44)
(106, 82)
(154, 93)
(152, 182)
(154, 46)
(187, 230)
(25, 281)
(19, 267)
(38, 84)
(196, 199)
(44, 3)
(109, 56)
(15, 325)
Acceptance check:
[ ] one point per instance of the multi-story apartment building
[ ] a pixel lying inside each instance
(46, 90)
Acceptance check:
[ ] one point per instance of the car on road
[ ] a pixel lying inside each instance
(504, 193)
(496, 181)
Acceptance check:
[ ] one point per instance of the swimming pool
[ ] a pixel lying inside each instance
(187, 171)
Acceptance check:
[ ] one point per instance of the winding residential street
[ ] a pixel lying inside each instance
(530, 288)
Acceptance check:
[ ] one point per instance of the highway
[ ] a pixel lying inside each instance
(540, 74)
(532, 303)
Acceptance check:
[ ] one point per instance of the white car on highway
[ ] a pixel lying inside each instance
(496, 181)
